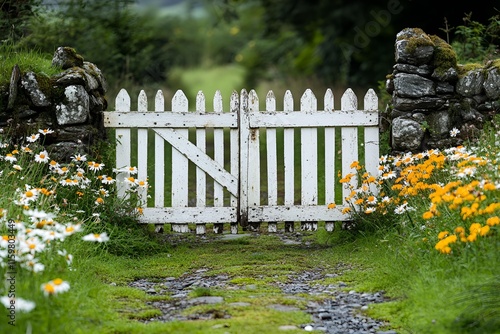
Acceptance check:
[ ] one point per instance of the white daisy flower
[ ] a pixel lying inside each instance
(10, 158)
(454, 132)
(45, 131)
(54, 287)
(42, 157)
(103, 237)
(107, 179)
(79, 158)
(33, 138)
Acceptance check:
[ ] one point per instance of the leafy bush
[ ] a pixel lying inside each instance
(476, 42)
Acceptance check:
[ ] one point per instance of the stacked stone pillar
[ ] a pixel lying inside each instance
(432, 94)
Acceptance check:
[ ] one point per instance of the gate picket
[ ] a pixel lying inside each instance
(234, 107)
(159, 201)
(180, 164)
(329, 157)
(142, 155)
(289, 159)
(123, 148)
(201, 179)
(272, 161)
(349, 148)
(253, 160)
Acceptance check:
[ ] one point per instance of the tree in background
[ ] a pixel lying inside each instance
(13, 16)
(344, 41)
(135, 46)
(339, 42)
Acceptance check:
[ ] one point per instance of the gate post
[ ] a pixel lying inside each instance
(243, 182)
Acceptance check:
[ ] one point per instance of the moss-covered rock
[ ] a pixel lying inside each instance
(66, 57)
(72, 99)
(413, 46)
(444, 58)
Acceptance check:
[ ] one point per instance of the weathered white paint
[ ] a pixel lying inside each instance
(242, 181)
(234, 107)
(272, 161)
(329, 157)
(185, 215)
(372, 146)
(304, 213)
(309, 158)
(169, 119)
(303, 119)
(179, 161)
(123, 148)
(201, 178)
(159, 195)
(289, 159)
(244, 164)
(142, 155)
(349, 148)
(253, 158)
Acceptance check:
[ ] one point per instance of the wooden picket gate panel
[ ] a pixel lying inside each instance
(239, 193)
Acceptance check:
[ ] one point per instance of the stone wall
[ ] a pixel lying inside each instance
(433, 95)
(69, 103)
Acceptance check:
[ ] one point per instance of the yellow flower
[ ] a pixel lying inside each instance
(332, 206)
(347, 178)
(492, 221)
(346, 210)
(443, 235)
(475, 228)
(472, 237)
(484, 230)
(427, 215)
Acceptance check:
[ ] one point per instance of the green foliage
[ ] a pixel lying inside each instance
(13, 17)
(127, 45)
(27, 60)
(477, 42)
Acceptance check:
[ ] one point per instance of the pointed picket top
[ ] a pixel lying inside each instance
(122, 101)
(349, 101)
(200, 102)
(159, 101)
(142, 102)
(270, 101)
(308, 102)
(253, 101)
(218, 102)
(179, 102)
(234, 104)
(370, 100)
(244, 100)
(329, 100)
(288, 101)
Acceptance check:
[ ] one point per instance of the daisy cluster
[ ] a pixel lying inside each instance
(450, 195)
(49, 203)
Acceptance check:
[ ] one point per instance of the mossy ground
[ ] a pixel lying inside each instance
(103, 302)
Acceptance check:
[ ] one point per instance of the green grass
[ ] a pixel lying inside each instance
(27, 60)
(226, 78)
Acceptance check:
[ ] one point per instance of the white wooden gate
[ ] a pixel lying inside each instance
(218, 159)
